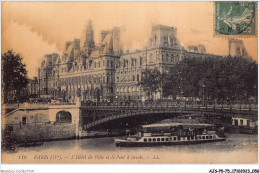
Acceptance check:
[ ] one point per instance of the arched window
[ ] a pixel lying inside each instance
(141, 61)
(151, 58)
(162, 57)
(63, 117)
(130, 89)
(137, 77)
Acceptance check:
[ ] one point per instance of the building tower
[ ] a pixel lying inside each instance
(237, 48)
(88, 40)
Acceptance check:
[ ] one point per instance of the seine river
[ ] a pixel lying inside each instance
(238, 148)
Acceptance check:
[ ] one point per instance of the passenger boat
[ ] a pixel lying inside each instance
(172, 134)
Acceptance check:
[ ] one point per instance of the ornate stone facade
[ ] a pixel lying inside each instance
(84, 69)
(163, 50)
(99, 72)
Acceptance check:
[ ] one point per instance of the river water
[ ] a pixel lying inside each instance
(238, 148)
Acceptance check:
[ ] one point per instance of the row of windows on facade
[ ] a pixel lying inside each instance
(90, 92)
(119, 89)
(105, 79)
(123, 89)
(129, 71)
(125, 62)
(133, 61)
(128, 89)
(32, 86)
(127, 78)
(33, 90)
(91, 65)
(166, 40)
(203, 137)
(86, 80)
(82, 80)
(73, 91)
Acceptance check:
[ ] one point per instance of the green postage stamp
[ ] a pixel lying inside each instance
(235, 18)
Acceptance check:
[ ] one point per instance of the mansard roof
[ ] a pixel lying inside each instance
(58, 60)
(108, 43)
(69, 51)
(43, 64)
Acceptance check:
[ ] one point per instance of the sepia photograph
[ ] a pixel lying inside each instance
(136, 82)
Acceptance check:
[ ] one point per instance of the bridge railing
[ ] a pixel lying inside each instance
(171, 104)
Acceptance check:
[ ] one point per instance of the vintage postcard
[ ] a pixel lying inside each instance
(129, 82)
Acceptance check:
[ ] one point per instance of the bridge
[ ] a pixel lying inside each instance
(98, 115)
(68, 120)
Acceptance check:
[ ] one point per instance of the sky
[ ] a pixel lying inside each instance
(37, 28)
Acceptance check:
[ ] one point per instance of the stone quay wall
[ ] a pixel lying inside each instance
(40, 124)
(42, 132)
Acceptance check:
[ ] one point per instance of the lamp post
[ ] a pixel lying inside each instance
(203, 86)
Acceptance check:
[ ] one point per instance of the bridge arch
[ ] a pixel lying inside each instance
(118, 113)
(63, 116)
(150, 115)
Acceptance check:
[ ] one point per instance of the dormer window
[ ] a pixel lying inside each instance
(165, 40)
(171, 40)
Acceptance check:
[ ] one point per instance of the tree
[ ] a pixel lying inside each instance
(172, 82)
(14, 74)
(151, 81)
(211, 78)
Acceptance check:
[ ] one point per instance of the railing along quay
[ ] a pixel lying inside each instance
(138, 108)
(171, 105)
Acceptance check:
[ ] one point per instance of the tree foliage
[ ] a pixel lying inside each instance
(151, 81)
(14, 73)
(217, 78)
